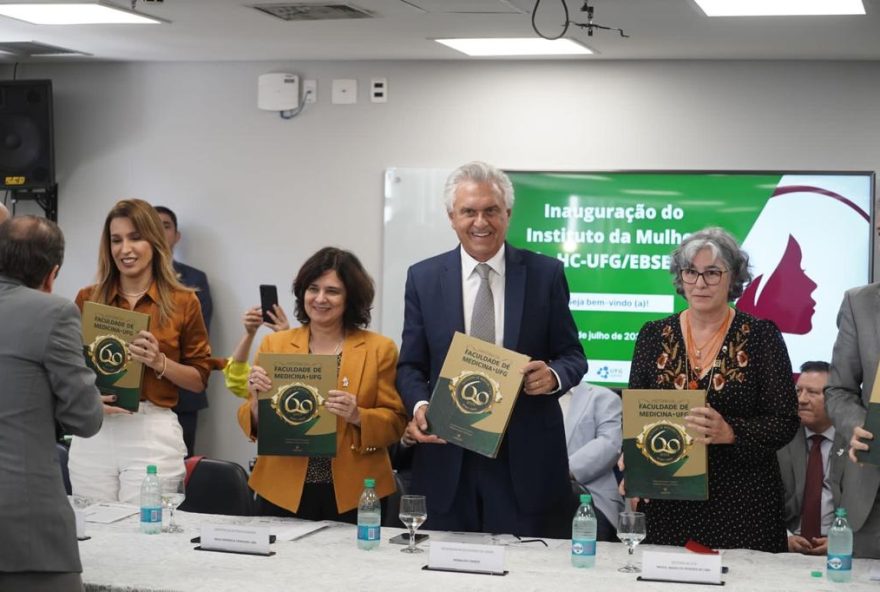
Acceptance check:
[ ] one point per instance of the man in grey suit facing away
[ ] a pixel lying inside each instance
(853, 368)
(44, 379)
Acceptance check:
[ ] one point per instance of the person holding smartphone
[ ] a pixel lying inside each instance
(135, 273)
(237, 369)
(334, 296)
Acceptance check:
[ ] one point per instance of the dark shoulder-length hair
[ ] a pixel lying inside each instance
(359, 289)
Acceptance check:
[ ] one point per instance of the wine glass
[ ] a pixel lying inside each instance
(413, 513)
(630, 531)
(173, 494)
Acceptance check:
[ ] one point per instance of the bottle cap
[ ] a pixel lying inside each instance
(151, 469)
(840, 512)
(815, 574)
(368, 482)
(586, 498)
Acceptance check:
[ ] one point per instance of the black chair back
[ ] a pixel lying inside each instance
(218, 487)
(391, 506)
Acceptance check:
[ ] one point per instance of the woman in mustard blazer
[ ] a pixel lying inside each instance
(334, 295)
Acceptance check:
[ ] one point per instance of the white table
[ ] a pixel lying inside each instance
(119, 558)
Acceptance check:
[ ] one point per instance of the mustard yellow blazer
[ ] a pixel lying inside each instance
(369, 362)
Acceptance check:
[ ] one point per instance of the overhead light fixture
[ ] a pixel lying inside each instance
(515, 46)
(781, 7)
(76, 13)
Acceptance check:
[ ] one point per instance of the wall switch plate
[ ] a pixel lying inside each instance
(379, 90)
(310, 91)
(344, 91)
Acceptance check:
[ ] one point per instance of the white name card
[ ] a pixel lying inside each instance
(239, 539)
(466, 557)
(681, 567)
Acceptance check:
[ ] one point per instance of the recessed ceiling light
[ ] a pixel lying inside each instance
(77, 13)
(516, 46)
(780, 7)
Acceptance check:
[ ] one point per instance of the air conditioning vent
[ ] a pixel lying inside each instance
(306, 11)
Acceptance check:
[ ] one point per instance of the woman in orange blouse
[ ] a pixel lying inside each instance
(333, 299)
(135, 273)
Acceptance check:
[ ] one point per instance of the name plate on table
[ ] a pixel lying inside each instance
(464, 557)
(681, 567)
(253, 540)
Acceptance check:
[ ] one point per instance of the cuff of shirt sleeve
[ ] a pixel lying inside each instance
(558, 382)
(417, 405)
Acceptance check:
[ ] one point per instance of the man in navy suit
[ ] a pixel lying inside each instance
(523, 489)
(190, 403)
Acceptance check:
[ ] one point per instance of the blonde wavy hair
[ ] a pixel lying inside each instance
(147, 223)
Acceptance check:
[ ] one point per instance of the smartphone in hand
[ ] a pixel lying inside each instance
(268, 300)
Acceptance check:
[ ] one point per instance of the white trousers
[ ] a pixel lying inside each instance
(111, 465)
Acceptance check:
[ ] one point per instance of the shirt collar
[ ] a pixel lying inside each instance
(152, 292)
(496, 262)
(829, 433)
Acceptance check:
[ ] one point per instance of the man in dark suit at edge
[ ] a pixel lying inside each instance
(523, 489)
(189, 404)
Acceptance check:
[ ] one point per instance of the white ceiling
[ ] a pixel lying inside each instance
(224, 30)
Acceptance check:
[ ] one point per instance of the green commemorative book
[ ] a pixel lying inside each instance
(293, 420)
(107, 331)
(475, 394)
(661, 458)
(872, 424)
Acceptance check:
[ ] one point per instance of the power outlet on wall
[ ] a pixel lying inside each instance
(379, 90)
(310, 91)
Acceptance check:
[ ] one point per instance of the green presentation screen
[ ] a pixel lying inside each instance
(808, 236)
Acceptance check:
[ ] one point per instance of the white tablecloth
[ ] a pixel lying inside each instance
(119, 558)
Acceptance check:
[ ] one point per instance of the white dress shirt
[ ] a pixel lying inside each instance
(470, 283)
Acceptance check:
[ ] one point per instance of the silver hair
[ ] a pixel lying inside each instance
(478, 172)
(722, 246)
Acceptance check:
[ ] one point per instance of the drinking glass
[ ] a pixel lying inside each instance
(413, 513)
(173, 494)
(631, 531)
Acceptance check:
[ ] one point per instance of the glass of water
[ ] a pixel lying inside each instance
(631, 531)
(173, 494)
(413, 514)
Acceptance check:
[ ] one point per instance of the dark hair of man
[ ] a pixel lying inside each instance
(359, 290)
(167, 212)
(816, 367)
(30, 247)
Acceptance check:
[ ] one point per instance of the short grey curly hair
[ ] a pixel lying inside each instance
(478, 172)
(723, 246)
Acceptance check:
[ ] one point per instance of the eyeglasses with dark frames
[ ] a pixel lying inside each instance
(711, 277)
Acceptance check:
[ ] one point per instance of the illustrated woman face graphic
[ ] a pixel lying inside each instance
(785, 296)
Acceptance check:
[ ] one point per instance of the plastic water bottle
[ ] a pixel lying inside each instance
(583, 534)
(151, 503)
(840, 544)
(369, 517)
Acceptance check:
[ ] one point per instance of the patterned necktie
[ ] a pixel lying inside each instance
(483, 316)
(811, 509)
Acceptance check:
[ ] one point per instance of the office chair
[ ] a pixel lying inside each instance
(218, 487)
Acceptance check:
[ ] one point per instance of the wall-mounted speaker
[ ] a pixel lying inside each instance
(27, 155)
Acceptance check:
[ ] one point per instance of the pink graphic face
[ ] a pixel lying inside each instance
(786, 299)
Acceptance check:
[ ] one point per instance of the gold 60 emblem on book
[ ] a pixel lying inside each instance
(296, 403)
(474, 392)
(109, 354)
(664, 443)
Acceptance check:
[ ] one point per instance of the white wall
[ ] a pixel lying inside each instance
(256, 195)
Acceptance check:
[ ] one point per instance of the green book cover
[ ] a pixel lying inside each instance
(293, 420)
(661, 458)
(475, 394)
(872, 424)
(107, 331)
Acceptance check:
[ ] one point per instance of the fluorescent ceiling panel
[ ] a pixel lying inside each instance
(515, 46)
(780, 7)
(80, 13)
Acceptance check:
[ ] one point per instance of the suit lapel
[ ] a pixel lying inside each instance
(354, 354)
(514, 295)
(299, 341)
(837, 461)
(451, 291)
(799, 465)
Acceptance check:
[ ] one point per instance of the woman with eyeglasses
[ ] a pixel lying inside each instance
(751, 411)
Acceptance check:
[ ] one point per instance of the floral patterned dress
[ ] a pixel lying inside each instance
(753, 389)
